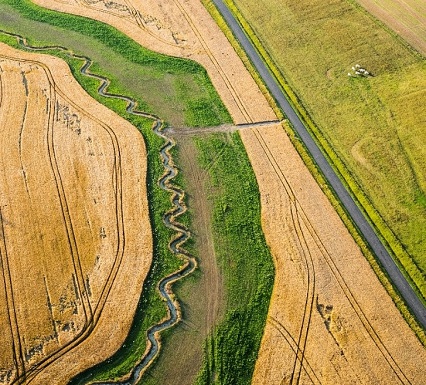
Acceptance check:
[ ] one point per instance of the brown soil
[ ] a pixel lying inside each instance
(330, 320)
(74, 222)
(406, 17)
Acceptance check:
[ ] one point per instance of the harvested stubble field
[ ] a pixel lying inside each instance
(76, 241)
(371, 127)
(329, 316)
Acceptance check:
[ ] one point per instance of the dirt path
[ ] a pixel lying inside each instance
(330, 320)
(75, 222)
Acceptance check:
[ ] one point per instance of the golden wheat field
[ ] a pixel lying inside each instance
(75, 237)
(330, 320)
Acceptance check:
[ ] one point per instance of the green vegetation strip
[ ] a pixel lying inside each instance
(244, 258)
(397, 248)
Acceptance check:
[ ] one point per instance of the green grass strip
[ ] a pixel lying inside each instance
(244, 258)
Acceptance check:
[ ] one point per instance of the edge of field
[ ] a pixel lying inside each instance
(386, 235)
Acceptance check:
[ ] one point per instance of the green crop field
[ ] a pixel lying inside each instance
(372, 127)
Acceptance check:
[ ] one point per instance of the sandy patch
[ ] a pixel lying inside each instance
(75, 235)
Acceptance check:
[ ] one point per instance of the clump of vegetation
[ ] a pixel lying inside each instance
(244, 258)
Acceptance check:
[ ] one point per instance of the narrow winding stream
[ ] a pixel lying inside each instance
(169, 219)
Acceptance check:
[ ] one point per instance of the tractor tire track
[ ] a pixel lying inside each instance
(307, 258)
(235, 96)
(293, 346)
(17, 350)
(302, 216)
(91, 317)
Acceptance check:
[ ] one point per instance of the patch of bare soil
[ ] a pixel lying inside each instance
(406, 17)
(75, 239)
(330, 320)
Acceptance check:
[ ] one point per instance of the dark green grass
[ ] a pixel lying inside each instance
(244, 258)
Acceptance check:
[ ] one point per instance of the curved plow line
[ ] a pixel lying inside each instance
(179, 208)
(133, 16)
(18, 354)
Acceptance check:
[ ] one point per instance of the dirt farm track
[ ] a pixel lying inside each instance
(70, 241)
(330, 321)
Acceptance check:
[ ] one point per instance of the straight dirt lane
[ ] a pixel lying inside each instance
(397, 278)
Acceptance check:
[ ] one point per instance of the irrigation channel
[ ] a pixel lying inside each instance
(182, 234)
